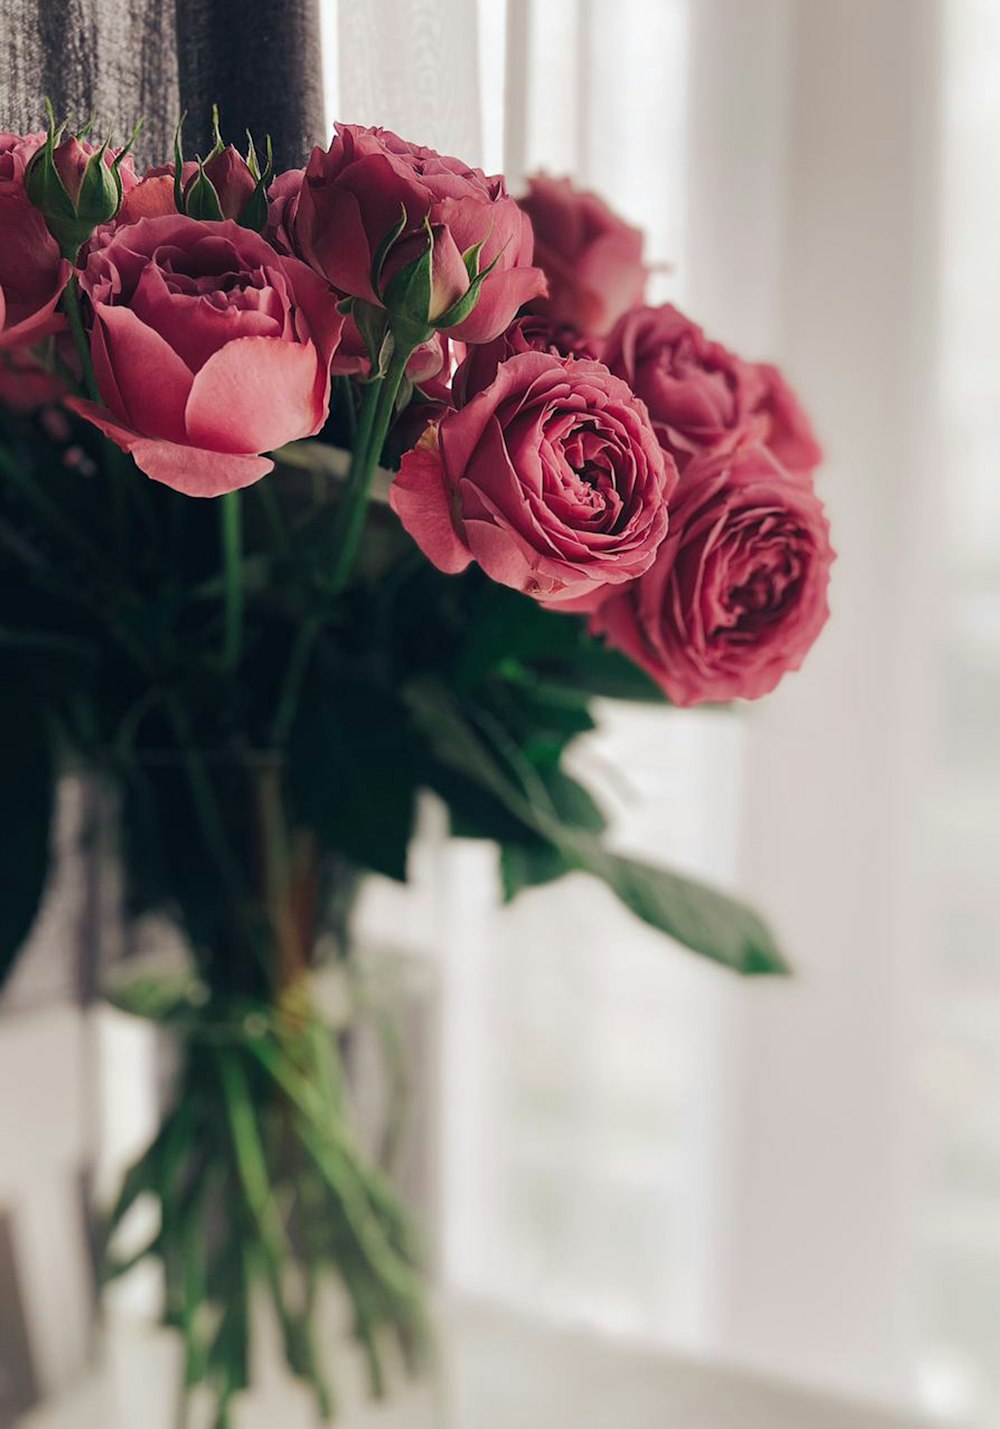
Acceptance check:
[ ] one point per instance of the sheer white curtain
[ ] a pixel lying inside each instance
(801, 1176)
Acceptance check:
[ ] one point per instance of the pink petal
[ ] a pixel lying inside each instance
(136, 365)
(254, 394)
(421, 499)
(190, 470)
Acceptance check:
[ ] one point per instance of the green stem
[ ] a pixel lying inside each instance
(71, 302)
(376, 418)
(371, 431)
(232, 554)
(345, 396)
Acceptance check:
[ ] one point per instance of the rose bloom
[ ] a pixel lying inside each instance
(209, 348)
(701, 397)
(353, 195)
(550, 478)
(533, 333)
(591, 257)
(33, 272)
(738, 591)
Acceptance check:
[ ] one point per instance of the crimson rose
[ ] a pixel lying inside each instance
(700, 395)
(738, 591)
(354, 196)
(550, 478)
(591, 257)
(209, 348)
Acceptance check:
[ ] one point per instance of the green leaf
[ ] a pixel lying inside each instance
(201, 199)
(25, 829)
(704, 920)
(523, 641)
(408, 295)
(471, 260)
(529, 866)
(461, 309)
(353, 775)
(382, 251)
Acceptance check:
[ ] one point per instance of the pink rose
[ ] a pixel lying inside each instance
(534, 333)
(550, 478)
(591, 257)
(701, 397)
(209, 348)
(354, 195)
(784, 427)
(33, 272)
(738, 591)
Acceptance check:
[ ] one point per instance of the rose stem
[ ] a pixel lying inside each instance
(376, 418)
(232, 553)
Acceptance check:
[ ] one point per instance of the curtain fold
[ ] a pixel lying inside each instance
(260, 61)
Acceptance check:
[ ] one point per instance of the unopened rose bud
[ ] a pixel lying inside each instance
(225, 185)
(230, 176)
(76, 185)
(427, 282)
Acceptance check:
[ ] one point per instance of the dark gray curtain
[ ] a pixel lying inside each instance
(122, 59)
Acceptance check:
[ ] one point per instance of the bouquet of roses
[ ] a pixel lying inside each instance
(465, 481)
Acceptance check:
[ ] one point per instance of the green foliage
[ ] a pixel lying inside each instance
(353, 774)
(407, 679)
(702, 919)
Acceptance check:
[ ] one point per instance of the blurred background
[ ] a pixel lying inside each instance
(802, 1178)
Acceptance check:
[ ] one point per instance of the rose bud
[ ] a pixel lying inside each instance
(701, 397)
(425, 278)
(737, 593)
(209, 349)
(591, 257)
(225, 185)
(533, 333)
(550, 478)
(77, 187)
(372, 190)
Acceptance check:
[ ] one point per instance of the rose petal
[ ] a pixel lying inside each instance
(422, 501)
(255, 394)
(137, 368)
(190, 470)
